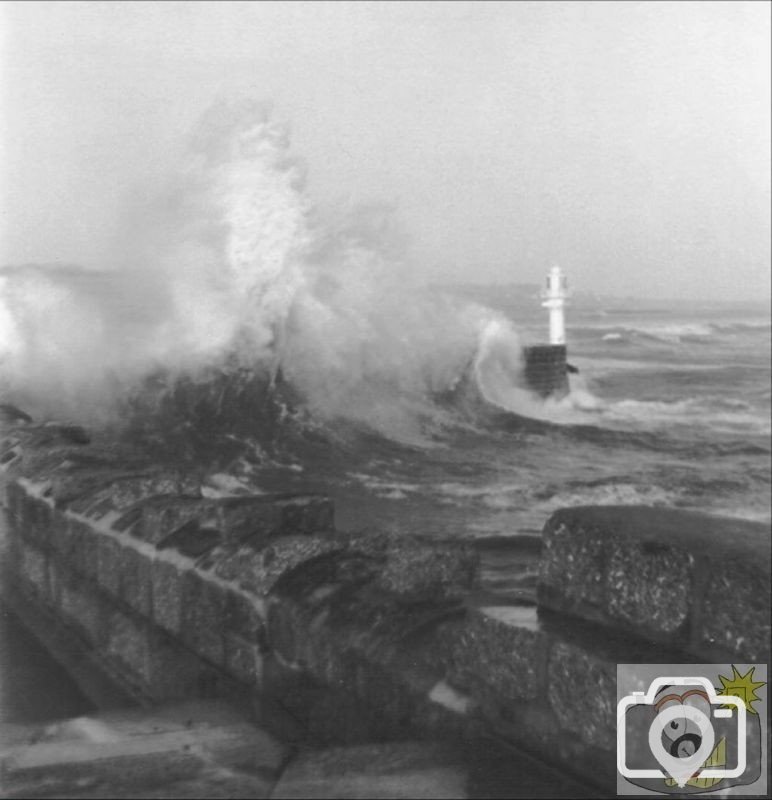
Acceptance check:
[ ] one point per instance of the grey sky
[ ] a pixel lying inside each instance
(628, 141)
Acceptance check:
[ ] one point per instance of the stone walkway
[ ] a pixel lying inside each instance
(209, 749)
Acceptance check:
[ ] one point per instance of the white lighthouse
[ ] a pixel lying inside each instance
(554, 298)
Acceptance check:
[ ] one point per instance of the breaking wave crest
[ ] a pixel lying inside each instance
(232, 264)
(230, 269)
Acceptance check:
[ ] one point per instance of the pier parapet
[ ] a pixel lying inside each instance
(349, 638)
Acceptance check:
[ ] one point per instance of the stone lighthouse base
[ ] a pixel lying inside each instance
(546, 372)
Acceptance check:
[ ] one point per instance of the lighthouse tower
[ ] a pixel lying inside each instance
(545, 366)
(554, 298)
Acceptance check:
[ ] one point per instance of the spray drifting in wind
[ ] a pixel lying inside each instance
(231, 262)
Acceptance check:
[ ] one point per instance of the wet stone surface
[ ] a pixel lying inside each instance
(367, 636)
(259, 572)
(428, 574)
(256, 518)
(656, 594)
(402, 769)
(732, 619)
(500, 653)
(126, 491)
(582, 692)
(189, 750)
(679, 577)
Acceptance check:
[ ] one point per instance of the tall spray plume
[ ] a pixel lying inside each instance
(230, 262)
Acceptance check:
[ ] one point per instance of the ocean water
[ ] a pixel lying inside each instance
(668, 409)
(404, 403)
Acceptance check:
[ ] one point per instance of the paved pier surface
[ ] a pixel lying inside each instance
(213, 750)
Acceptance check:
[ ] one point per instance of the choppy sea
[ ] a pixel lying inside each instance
(669, 408)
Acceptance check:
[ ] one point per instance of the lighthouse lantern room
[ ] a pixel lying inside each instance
(554, 298)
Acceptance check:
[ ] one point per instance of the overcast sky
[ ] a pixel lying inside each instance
(630, 142)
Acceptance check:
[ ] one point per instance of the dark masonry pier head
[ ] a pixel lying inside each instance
(546, 369)
(381, 651)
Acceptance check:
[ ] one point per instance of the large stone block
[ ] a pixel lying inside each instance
(36, 521)
(260, 571)
(428, 573)
(57, 577)
(125, 492)
(14, 496)
(162, 516)
(81, 488)
(397, 769)
(733, 618)
(167, 595)
(257, 518)
(172, 671)
(137, 581)
(111, 565)
(128, 644)
(193, 539)
(38, 462)
(657, 594)
(573, 568)
(582, 692)
(243, 659)
(130, 521)
(77, 546)
(286, 627)
(496, 660)
(697, 582)
(242, 616)
(10, 552)
(203, 616)
(34, 570)
(82, 607)
(124, 573)
(546, 685)
(402, 569)
(500, 652)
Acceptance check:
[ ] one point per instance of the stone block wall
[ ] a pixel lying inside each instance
(545, 369)
(692, 581)
(350, 638)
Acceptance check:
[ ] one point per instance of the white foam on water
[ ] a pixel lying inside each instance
(609, 494)
(667, 332)
(710, 413)
(383, 487)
